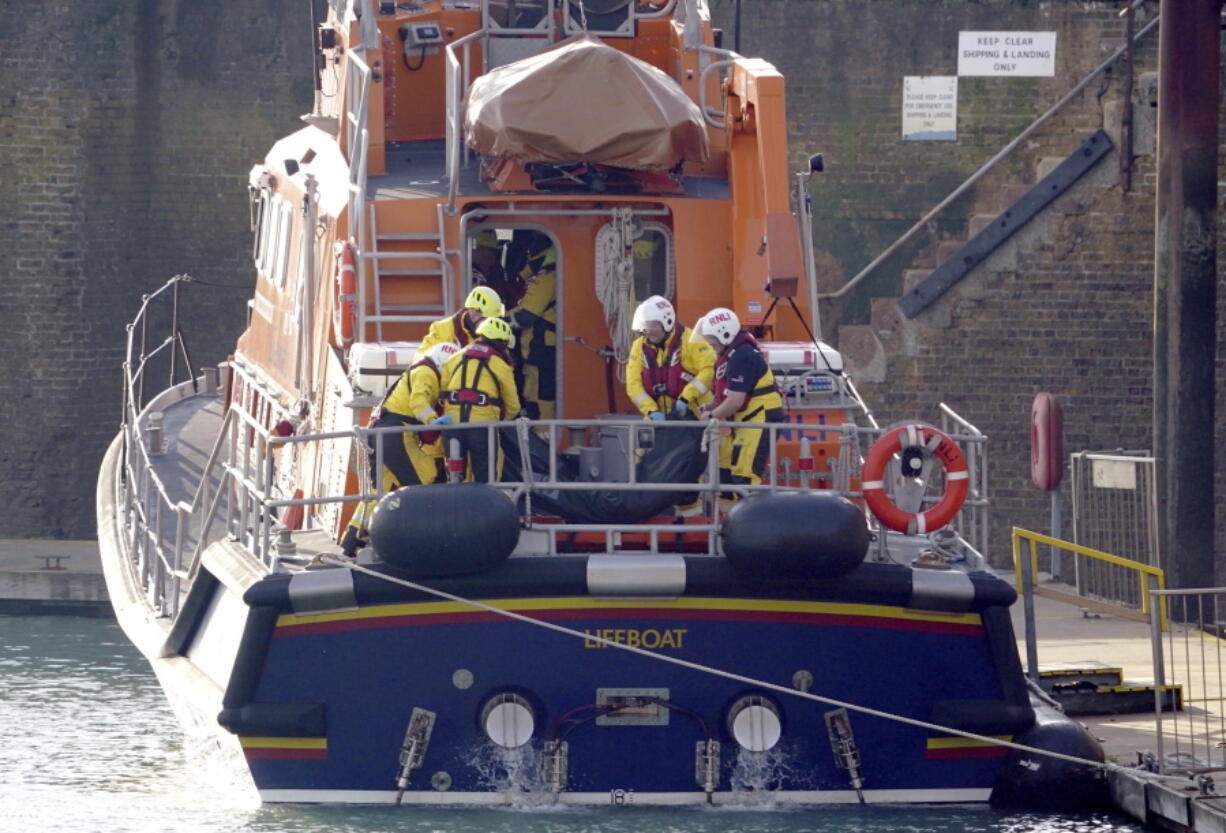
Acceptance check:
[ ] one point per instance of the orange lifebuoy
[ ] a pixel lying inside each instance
(343, 306)
(944, 449)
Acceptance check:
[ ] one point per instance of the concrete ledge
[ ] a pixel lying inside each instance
(1164, 804)
(1209, 815)
(52, 577)
(1168, 804)
(1128, 793)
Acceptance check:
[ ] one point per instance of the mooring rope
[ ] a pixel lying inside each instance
(718, 672)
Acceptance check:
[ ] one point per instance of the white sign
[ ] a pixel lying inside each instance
(1007, 53)
(1114, 474)
(930, 108)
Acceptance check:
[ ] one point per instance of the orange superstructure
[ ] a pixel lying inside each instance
(385, 179)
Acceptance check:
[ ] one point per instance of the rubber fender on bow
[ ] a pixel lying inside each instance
(1041, 782)
(801, 534)
(448, 529)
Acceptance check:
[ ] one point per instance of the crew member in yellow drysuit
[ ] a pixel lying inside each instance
(537, 317)
(487, 268)
(461, 327)
(744, 391)
(409, 458)
(667, 371)
(479, 386)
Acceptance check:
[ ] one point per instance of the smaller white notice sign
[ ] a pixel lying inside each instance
(1027, 54)
(930, 108)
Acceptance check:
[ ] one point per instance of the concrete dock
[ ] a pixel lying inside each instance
(52, 577)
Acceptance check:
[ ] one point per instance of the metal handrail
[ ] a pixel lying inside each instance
(1144, 572)
(987, 166)
(977, 463)
(455, 88)
(1026, 570)
(242, 460)
(357, 145)
(247, 498)
(1200, 673)
(708, 114)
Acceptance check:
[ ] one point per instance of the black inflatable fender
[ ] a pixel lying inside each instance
(445, 529)
(1040, 782)
(814, 534)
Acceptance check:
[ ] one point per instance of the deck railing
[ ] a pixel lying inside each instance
(250, 504)
(1190, 729)
(242, 493)
(156, 527)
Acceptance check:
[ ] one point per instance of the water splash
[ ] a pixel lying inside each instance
(518, 774)
(757, 776)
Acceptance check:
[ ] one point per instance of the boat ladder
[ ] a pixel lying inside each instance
(410, 279)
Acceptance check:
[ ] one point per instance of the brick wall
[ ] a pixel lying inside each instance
(126, 134)
(1065, 307)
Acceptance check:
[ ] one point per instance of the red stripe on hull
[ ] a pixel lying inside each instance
(288, 754)
(764, 617)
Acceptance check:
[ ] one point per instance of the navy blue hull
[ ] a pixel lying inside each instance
(322, 701)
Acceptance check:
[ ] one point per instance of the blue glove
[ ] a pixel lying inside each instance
(681, 408)
(445, 419)
(656, 416)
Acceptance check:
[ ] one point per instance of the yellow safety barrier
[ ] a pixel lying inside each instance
(1144, 572)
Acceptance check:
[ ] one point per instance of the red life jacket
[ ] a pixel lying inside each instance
(667, 378)
(720, 389)
(463, 335)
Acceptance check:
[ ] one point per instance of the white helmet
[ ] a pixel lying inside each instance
(440, 353)
(721, 323)
(655, 308)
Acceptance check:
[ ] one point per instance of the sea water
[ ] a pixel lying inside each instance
(88, 745)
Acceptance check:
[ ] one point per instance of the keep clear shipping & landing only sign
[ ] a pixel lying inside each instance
(1017, 54)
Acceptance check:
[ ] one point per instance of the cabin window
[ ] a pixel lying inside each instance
(522, 15)
(653, 262)
(259, 224)
(278, 255)
(607, 18)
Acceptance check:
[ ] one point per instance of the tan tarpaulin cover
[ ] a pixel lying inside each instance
(584, 101)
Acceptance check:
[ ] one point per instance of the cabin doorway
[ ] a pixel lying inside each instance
(522, 262)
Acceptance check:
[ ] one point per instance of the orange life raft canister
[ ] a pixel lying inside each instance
(346, 289)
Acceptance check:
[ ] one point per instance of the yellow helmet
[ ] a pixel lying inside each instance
(496, 329)
(486, 302)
